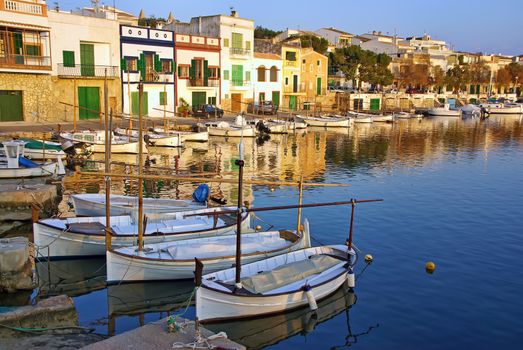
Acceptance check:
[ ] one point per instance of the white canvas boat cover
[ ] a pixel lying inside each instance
(288, 273)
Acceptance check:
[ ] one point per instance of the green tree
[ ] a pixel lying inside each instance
(437, 77)
(458, 77)
(319, 45)
(265, 33)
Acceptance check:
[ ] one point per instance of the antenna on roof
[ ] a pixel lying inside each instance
(95, 5)
(56, 6)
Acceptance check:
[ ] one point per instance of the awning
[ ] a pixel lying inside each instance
(24, 26)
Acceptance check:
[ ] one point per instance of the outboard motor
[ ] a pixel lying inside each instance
(262, 128)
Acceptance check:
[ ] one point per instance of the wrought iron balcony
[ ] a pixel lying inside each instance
(239, 51)
(293, 89)
(201, 83)
(25, 62)
(240, 83)
(291, 63)
(87, 71)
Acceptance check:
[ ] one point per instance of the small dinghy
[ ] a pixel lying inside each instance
(175, 260)
(42, 150)
(387, 118)
(507, 108)
(93, 204)
(444, 111)
(186, 136)
(96, 142)
(14, 165)
(331, 121)
(85, 236)
(154, 139)
(240, 128)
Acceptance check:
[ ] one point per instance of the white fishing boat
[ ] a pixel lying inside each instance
(175, 260)
(229, 130)
(296, 124)
(444, 111)
(387, 118)
(331, 121)
(154, 139)
(186, 136)
(41, 150)
(96, 142)
(362, 120)
(275, 285)
(507, 108)
(85, 236)
(93, 204)
(14, 165)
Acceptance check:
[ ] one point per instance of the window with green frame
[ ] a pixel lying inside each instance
(225, 75)
(163, 98)
(68, 58)
(33, 50)
(247, 45)
(211, 100)
(248, 76)
(237, 40)
(226, 42)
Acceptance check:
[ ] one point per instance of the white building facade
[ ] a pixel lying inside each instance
(267, 78)
(147, 56)
(198, 74)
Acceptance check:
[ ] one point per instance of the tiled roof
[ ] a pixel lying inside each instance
(268, 56)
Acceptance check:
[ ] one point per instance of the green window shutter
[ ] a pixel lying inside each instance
(226, 42)
(225, 75)
(134, 103)
(248, 75)
(157, 63)
(206, 72)
(237, 40)
(173, 66)
(123, 64)
(163, 98)
(247, 45)
(141, 66)
(68, 58)
(179, 71)
(237, 74)
(192, 70)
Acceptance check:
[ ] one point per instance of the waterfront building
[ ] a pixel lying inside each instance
(267, 77)
(25, 61)
(198, 75)
(147, 56)
(293, 90)
(237, 39)
(81, 64)
(437, 51)
(314, 74)
(337, 38)
(378, 42)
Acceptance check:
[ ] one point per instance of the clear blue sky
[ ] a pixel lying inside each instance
(468, 25)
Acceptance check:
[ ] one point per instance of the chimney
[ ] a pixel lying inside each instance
(234, 13)
(373, 32)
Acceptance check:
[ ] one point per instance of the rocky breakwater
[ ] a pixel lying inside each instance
(16, 265)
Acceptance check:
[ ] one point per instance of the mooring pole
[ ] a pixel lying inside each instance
(240, 163)
(353, 205)
(108, 141)
(140, 164)
(300, 198)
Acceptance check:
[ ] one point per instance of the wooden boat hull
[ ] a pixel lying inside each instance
(131, 148)
(38, 154)
(437, 112)
(383, 119)
(213, 305)
(363, 120)
(506, 110)
(164, 141)
(326, 122)
(187, 136)
(94, 205)
(58, 243)
(44, 170)
(124, 267)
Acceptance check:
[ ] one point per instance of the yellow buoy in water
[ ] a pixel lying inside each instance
(430, 267)
(258, 228)
(368, 258)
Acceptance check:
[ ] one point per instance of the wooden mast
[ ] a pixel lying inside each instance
(140, 169)
(130, 105)
(300, 198)
(240, 163)
(107, 168)
(74, 104)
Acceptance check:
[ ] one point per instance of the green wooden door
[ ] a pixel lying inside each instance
(292, 103)
(11, 106)
(318, 86)
(135, 104)
(237, 75)
(198, 98)
(89, 102)
(374, 104)
(87, 60)
(276, 98)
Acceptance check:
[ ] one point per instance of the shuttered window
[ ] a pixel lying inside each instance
(226, 75)
(163, 98)
(237, 40)
(68, 58)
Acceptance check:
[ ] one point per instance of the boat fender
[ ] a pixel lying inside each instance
(351, 280)
(368, 258)
(310, 297)
(430, 267)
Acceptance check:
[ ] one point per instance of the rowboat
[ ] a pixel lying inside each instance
(507, 108)
(275, 285)
(186, 136)
(229, 130)
(96, 142)
(93, 204)
(14, 165)
(85, 236)
(369, 118)
(388, 118)
(333, 121)
(444, 111)
(154, 139)
(42, 150)
(262, 332)
(362, 120)
(175, 260)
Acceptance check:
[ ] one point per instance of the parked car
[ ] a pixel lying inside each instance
(265, 107)
(207, 111)
(391, 91)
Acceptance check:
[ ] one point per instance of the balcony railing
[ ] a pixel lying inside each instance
(28, 7)
(293, 90)
(239, 52)
(87, 71)
(291, 63)
(201, 83)
(240, 83)
(25, 62)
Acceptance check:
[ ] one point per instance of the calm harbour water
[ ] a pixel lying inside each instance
(453, 194)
